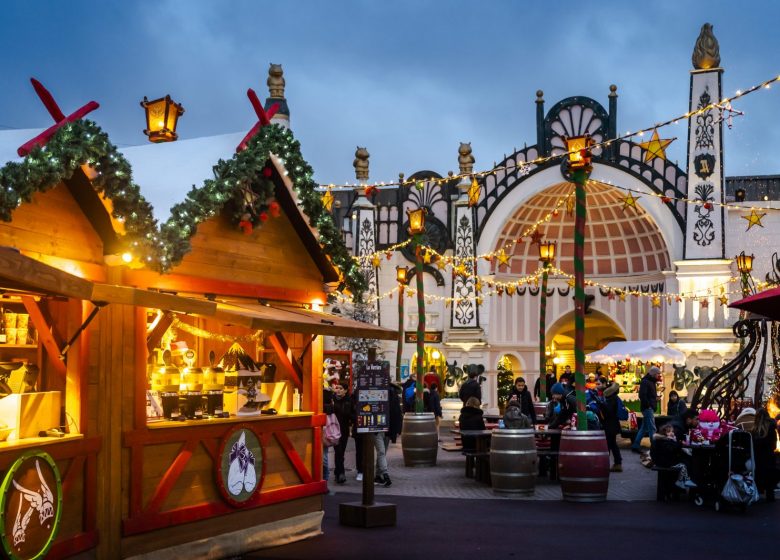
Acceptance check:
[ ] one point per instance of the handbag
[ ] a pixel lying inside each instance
(740, 489)
(331, 433)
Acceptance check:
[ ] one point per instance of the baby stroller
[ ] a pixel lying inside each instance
(728, 477)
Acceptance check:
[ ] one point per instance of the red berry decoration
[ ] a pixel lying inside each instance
(263, 216)
(275, 209)
(267, 172)
(707, 206)
(666, 199)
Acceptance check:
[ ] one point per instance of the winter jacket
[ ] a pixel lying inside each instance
(395, 416)
(327, 401)
(568, 407)
(434, 403)
(408, 407)
(764, 453)
(514, 419)
(608, 405)
(666, 452)
(648, 397)
(470, 388)
(342, 408)
(551, 380)
(677, 409)
(470, 419)
(525, 400)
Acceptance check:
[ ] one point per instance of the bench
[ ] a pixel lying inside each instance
(451, 447)
(479, 461)
(548, 461)
(666, 489)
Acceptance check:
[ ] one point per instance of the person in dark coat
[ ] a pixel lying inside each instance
(608, 405)
(471, 387)
(764, 435)
(408, 404)
(514, 419)
(676, 406)
(561, 408)
(383, 439)
(470, 419)
(648, 400)
(434, 404)
(667, 452)
(551, 380)
(341, 406)
(520, 390)
(327, 408)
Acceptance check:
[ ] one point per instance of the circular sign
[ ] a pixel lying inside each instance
(241, 469)
(30, 506)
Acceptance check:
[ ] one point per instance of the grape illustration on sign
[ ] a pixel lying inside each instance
(240, 470)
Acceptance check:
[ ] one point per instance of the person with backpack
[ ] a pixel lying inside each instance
(608, 406)
(408, 392)
(342, 408)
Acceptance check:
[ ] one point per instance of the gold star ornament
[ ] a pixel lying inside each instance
(327, 200)
(656, 147)
(656, 301)
(427, 257)
(630, 201)
(376, 261)
(724, 299)
(503, 258)
(754, 218)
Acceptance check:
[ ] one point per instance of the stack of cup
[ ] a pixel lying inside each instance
(22, 330)
(9, 322)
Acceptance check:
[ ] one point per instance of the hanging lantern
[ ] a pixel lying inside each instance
(579, 151)
(402, 275)
(744, 263)
(417, 220)
(474, 191)
(328, 199)
(162, 116)
(547, 253)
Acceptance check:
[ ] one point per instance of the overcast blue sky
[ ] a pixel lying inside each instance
(407, 79)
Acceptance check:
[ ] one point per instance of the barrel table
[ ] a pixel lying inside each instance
(583, 466)
(419, 439)
(513, 462)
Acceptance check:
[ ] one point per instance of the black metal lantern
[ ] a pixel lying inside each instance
(162, 116)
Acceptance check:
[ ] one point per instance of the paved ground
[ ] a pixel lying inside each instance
(447, 479)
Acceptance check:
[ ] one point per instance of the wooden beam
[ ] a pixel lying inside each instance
(38, 276)
(45, 336)
(170, 477)
(153, 338)
(292, 455)
(291, 366)
(145, 298)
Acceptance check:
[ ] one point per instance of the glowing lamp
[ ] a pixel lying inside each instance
(739, 195)
(547, 252)
(402, 274)
(579, 151)
(435, 354)
(162, 116)
(744, 263)
(127, 257)
(417, 220)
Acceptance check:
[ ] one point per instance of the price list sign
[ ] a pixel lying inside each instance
(373, 383)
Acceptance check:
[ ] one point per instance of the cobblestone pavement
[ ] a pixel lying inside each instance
(447, 479)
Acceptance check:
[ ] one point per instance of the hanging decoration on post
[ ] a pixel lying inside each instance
(630, 201)
(656, 147)
(475, 190)
(327, 200)
(754, 218)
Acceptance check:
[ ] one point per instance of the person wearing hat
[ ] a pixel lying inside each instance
(561, 408)
(648, 400)
(590, 384)
(514, 419)
(746, 419)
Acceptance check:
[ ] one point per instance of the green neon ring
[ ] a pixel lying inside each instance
(9, 476)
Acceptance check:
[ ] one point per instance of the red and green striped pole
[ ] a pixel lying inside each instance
(418, 276)
(400, 348)
(579, 177)
(542, 341)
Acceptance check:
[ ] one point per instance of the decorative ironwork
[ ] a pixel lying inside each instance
(704, 229)
(435, 236)
(464, 312)
(773, 276)
(717, 389)
(574, 116)
(705, 125)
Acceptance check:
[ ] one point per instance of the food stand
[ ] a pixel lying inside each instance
(119, 347)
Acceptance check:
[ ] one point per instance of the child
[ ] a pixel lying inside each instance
(667, 452)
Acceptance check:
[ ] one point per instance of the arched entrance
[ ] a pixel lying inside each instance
(434, 364)
(600, 330)
(508, 368)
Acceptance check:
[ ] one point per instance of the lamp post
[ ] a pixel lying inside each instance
(402, 276)
(579, 158)
(416, 230)
(547, 256)
(745, 266)
(162, 116)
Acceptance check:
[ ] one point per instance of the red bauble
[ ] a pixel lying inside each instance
(666, 199)
(245, 226)
(275, 209)
(707, 206)
(263, 216)
(267, 172)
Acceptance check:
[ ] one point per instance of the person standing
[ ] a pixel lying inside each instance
(551, 380)
(764, 435)
(434, 405)
(648, 401)
(608, 403)
(408, 392)
(342, 408)
(327, 408)
(383, 439)
(520, 390)
(471, 387)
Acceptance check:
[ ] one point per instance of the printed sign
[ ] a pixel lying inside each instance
(31, 506)
(373, 383)
(240, 470)
(434, 337)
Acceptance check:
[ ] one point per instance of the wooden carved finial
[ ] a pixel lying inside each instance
(361, 164)
(465, 159)
(706, 53)
(275, 81)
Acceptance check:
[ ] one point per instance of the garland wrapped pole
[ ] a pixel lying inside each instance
(416, 229)
(546, 255)
(402, 275)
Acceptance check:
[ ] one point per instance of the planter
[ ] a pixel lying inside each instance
(583, 466)
(419, 439)
(513, 462)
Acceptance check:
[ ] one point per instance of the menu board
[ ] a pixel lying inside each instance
(373, 384)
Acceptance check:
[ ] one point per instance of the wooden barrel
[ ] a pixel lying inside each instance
(583, 466)
(540, 409)
(419, 439)
(513, 461)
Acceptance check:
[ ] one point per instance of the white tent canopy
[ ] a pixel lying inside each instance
(644, 350)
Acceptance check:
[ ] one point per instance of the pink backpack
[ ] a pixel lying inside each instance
(331, 433)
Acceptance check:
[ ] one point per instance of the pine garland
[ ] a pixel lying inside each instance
(161, 248)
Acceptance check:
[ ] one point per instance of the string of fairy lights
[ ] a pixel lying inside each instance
(724, 105)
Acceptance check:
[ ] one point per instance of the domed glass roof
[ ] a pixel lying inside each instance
(618, 241)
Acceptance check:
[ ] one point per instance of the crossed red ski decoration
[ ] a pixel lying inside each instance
(58, 116)
(263, 116)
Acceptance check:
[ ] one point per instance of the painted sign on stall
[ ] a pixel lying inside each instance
(373, 383)
(240, 470)
(30, 506)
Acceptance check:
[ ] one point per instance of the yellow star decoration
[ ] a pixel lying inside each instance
(754, 218)
(622, 296)
(724, 299)
(376, 261)
(630, 201)
(570, 282)
(510, 289)
(327, 200)
(474, 191)
(656, 301)
(460, 270)
(478, 286)
(440, 264)
(655, 147)
(479, 301)
(503, 258)
(427, 257)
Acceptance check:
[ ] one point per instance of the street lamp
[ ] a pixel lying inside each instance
(402, 277)
(416, 230)
(547, 256)
(579, 167)
(745, 267)
(162, 116)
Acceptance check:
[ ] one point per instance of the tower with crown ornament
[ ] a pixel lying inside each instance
(364, 228)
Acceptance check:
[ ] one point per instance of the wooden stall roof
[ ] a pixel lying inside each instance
(20, 272)
(293, 319)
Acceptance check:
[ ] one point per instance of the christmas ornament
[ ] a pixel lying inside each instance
(622, 296)
(474, 191)
(478, 286)
(630, 201)
(327, 200)
(263, 216)
(655, 147)
(369, 190)
(419, 185)
(375, 261)
(610, 295)
(267, 172)
(656, 301)
(427, 257)
(724, 300)
(536, 237)
(440, 264)
(666, 199)
(754, 218)
(510, 289)
(503, 258)
(274, 209)
(704, 303)
(246, 224)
